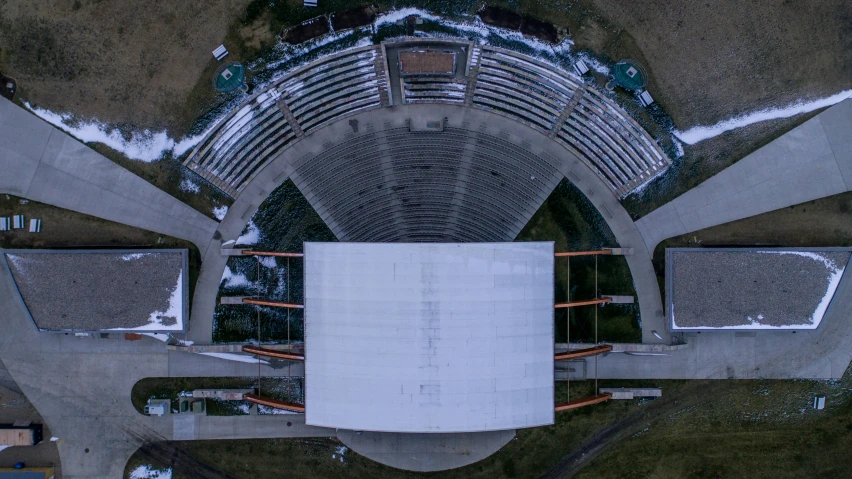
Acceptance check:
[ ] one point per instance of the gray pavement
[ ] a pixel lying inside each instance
(425, 452)
(41, 163)
(81, 388)
(823, 353)
(812, 161)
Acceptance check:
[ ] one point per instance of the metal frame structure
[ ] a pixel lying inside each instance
(581, 353)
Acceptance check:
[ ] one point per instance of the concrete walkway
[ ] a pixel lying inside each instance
(823, 353)
(812, 161)
(278, 170)
(41, 163)
(82, 387)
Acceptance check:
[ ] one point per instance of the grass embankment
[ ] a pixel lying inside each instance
(285, 220)
(572, 222)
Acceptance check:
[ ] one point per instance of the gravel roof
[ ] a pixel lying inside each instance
(751, 289)
(94, 290)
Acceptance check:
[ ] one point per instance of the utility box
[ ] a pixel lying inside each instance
(158, 407)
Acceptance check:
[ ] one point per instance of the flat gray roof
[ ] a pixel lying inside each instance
(102, 290)
(429, 337)
(751, 288)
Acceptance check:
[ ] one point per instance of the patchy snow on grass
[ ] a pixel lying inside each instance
(232, 280)
(144, 145)
(220, 211)
(274, 411)
(236, 357)
(339, 452)
(251, 236)
(149, 472)
(700, 133)
(267, 261)
(189, 186)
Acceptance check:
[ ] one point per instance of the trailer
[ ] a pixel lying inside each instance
(11, 435)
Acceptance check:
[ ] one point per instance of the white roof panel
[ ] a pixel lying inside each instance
(429, 337)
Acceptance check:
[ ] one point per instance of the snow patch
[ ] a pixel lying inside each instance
(189, 186)
(339, 452)
(267, 261)
(54, 439)
(133, 256)
(251, 236)
(232, 280)
(701, 133)
(144, 145)
(220, 211)
(175, 310)
(4, 447)
(261, 409)
(236, 357)
(149, 472)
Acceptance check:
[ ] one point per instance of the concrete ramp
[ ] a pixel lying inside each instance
(425, 452)
(812, 161)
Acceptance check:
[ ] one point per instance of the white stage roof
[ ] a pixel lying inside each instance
(429, 337)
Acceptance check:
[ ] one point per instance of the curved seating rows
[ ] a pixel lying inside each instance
(539, 95)
(305, 99)
(394, 185)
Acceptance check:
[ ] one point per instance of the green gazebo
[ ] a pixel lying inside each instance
(229, 77)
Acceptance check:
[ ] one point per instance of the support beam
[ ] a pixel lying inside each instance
(269, 402)
(273, 353)
(274, 304)
(587, 401)
(590, 302)
(251, 252)
(581, 353)
(583, 253)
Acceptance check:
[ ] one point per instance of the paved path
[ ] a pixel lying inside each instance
(41, 163)
(82, 386)
(812, 161)
(823, 353)
(278, 170)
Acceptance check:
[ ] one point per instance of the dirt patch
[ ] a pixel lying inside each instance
(257, 34)
(309, 29)
(501, 18)
(541, 30)
(134, 61)
(357, 17)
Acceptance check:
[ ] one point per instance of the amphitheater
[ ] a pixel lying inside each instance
(463, 149)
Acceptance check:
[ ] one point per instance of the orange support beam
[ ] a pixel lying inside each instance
(289, 406)
(275, 304)
(590, 302)
(579, 353)
(272, 353)
(587, 401)
(252, 252)
(584, 253)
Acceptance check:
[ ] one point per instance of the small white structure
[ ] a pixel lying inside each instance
(310, 3)
(158, 407)
(220, 52)
(645, 98)
(819, 402)
(5, 224)
(18, 221)
(35, 226)
(581, 67)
